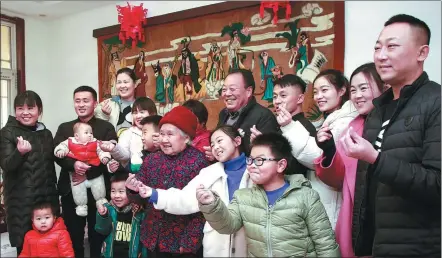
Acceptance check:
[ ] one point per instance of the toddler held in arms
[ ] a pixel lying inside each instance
(85, 148)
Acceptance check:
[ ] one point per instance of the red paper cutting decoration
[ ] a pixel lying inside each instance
(132, 19)
(275, 6)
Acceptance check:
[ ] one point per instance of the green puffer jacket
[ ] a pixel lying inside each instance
(295, 226)
(106, 226)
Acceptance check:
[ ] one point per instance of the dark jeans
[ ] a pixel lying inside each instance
(75, 225)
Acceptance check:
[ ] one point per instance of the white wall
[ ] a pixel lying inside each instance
(62, 55)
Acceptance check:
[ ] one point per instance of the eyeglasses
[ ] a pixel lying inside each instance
(259, 161)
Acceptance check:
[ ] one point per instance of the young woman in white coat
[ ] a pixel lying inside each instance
(224, 177)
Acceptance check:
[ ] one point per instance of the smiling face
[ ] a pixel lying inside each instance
(125, 86)
(43, 219)
(27, 115)
(138, 115)
(172, 140)
(118, 194)
(362, 93)
(234, 93)
(224, 148)
(326, 96)
(84, 104)
(290, 98)
(147, 131)
(399, 54)
(270, 171)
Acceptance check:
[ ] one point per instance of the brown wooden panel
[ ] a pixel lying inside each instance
(322, 23)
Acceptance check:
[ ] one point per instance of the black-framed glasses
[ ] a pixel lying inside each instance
(258, 161)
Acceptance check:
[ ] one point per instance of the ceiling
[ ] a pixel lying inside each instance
(49, 10)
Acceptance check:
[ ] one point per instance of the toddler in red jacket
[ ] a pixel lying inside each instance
(85, 148)
(49, 236)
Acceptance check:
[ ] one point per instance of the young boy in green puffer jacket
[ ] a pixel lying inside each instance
(120, 221)
(282, 215)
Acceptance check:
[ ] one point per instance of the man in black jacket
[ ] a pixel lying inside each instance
(242, 111)
(397, 205)
(85, 101)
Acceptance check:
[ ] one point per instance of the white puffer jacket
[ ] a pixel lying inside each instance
(182, 202)
(306, 151)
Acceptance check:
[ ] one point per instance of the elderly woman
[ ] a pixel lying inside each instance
(118, 109)
(27, 161)
(163, 234)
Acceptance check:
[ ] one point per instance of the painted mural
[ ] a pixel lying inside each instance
(189, 59)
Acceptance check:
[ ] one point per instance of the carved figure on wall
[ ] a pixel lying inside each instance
(140, 72)
(169, 83)
(189, 69)
(292, 41)
(239, 35)
(214, 71)
(114, 66)
(304, 53)
(266, 65)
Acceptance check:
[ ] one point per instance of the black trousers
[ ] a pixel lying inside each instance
(75, 225)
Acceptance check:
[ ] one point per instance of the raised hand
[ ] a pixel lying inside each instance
(106, 146)
(144, 191)
(106, 108)
(357, 147)
(283, 117)
(132, 183)
(324, 133)
(204, 196)
(254, 132)
(23, 146)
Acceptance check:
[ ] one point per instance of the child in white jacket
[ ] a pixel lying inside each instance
(225, 177)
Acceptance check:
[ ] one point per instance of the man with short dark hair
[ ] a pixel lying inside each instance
(397, 201)
(242, 110)
(85, 101)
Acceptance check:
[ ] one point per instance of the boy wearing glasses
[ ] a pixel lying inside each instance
(282, 215)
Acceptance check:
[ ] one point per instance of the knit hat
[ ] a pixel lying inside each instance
(182, 118)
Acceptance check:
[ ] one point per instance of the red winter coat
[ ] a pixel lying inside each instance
(85, 153)
(54, 243)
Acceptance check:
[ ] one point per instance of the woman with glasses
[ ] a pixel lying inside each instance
(224, 177)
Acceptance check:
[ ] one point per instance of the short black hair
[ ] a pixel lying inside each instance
(413, 22)
(279, 146)
(153, 120)
(43, 205)
(119, 176)
(291, 80)
(247, 75)
(88, 89)
(198, 109)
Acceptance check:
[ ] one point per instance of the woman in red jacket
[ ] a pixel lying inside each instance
(49, 236)
(333, 167)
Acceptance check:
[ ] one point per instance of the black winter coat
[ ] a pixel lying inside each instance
(408, 171)
(27, 179)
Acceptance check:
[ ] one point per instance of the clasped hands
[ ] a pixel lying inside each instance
(137, 186)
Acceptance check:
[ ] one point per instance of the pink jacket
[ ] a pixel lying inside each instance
(341, 174)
